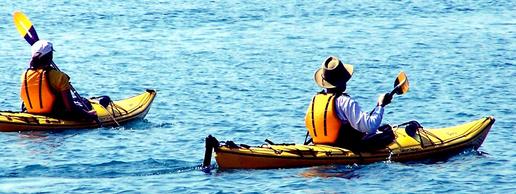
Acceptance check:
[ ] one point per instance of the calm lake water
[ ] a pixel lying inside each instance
(243, 71)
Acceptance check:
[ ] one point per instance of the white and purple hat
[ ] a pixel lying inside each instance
(41, 46)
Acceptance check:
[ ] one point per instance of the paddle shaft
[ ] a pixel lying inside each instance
(393, 91)
(110, 115)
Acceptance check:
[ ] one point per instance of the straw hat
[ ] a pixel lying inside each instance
(333, 73)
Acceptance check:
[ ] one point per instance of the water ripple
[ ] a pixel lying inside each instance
(112, 169)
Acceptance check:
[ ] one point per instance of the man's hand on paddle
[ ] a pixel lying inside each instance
(384, 99)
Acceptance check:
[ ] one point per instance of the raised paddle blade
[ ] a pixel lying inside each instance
(24, 27)
(401, 84)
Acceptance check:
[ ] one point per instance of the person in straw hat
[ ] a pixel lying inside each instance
(46, 90)
(334, 118)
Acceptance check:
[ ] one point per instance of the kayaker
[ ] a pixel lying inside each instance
(335, 118)
(46, 90)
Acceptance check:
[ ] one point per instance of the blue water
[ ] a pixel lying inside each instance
(243, 71)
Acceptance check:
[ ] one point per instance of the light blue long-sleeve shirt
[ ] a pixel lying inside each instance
(348, 110)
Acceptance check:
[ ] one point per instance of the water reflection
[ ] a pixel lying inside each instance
(33, 135)
(338, 171)
(44, 142)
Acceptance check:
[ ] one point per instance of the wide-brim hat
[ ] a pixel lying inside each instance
(333, 73)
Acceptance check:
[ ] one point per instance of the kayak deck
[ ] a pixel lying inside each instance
(122, 111)
(426, 144)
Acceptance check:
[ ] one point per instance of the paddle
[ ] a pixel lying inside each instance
(401, 86)
(25, 28)
(28, 32)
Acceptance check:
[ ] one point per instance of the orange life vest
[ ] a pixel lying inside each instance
(321, 120)
(36, 92)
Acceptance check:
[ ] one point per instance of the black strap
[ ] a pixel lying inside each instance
(326, 113)
(27, 89)
(41, 85)
(313, 117)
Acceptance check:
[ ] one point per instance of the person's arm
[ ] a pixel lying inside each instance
(362, 121)
(67, 101)
(61, 83)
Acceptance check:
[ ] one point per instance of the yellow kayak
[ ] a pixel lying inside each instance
(120, 112)
(425, 144)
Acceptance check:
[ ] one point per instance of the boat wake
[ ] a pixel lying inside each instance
(112, 169)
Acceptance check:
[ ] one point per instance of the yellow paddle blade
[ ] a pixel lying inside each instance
(24, 27)
(401, 84)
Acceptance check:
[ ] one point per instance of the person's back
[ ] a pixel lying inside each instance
(36, 91)
(334, 118)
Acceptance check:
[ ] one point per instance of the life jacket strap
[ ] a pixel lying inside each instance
(326, 114)
(313, 116)
(27, 88)
(40, 86)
